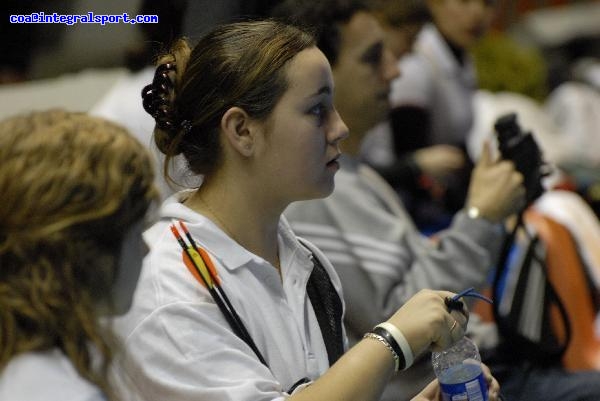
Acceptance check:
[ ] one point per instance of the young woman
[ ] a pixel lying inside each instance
(250, 108)
(75, 190)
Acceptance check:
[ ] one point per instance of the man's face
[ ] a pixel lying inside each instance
(363, 73)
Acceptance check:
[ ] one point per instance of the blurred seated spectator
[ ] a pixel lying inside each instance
(75, 192)
(431, 112)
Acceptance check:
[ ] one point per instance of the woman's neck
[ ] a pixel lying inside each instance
(243, 215)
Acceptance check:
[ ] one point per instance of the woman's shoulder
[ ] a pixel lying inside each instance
(45, 375)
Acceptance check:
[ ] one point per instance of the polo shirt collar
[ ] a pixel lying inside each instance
(231, 255)
(434, 46)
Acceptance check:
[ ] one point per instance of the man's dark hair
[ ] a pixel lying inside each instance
(323, 18)
(397, 13)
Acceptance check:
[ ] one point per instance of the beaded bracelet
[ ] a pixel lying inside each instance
(388, 346)
(400, 341)
(387, 336)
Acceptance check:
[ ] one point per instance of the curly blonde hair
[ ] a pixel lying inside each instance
(71, 186)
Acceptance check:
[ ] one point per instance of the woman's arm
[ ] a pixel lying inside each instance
(362, 373)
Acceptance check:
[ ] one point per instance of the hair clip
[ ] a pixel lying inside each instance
(186, 125)
(166, 67)
(161, 76)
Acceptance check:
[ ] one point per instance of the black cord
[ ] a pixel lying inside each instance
(550, 293)
(219, 296)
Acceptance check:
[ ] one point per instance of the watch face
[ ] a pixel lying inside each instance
(473, 212)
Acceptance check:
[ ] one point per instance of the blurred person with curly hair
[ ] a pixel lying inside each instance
(75, 191)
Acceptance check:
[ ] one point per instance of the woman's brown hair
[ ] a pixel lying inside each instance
(240, 64)
(71, 186)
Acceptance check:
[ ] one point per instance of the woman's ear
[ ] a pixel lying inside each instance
(236, 124)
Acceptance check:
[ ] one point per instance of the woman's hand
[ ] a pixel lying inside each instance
(493, 385)
(439, 161)
(427, 323)
(433, 392)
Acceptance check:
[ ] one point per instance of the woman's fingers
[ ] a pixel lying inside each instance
(493, 385)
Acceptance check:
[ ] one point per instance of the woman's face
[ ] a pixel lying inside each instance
(302, 134)
(462, 22)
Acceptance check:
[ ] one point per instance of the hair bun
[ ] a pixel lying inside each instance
(157, 98)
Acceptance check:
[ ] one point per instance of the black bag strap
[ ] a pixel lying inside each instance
(543, 352)
(328, 308)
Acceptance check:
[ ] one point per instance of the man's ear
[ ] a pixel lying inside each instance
(236, 125)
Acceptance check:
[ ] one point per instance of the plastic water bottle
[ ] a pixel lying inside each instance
(458, 369)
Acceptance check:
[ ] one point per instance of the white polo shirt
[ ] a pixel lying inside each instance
(432, 78)
(179, 345)
(45, 376)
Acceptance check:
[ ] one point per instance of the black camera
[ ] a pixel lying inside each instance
(522, 149)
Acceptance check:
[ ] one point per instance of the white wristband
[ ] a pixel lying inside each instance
(401, 340)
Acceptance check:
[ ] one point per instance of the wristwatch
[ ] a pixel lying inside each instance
(473, 212)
